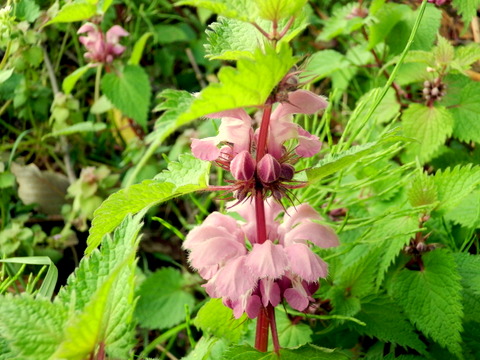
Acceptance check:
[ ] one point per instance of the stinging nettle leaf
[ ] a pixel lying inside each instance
(430, 125)
(248, 85)
(432, 298)
(130, 92)
(467, 9)
(422, 191)
(143, 196)
(275, 10)
(244, 10)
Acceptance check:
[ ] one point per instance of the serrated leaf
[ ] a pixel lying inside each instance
(334, 163)
(384, 320)
(75, 11)
(465, 56)
(86, 126)
(216, 319)
(32, 327)
(467, 212)
(187, 168)
(429, 125)
(467, 9)
(275, 10)
(422, 191)
(102, 293)
(162, 300)
(248, 85)
(244, 10)
(141, 197)
(306, 352)
(431, 298)
(291, 334)
(69, 82)
(129, 91)
(454, 185)
(463, 98)
(443, 52)
(468, 266)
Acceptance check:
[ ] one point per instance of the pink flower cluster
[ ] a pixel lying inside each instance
(248, 275)
(102, 48)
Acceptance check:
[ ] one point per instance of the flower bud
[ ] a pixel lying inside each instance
(242, 166)
(287, 172)
(268, 169)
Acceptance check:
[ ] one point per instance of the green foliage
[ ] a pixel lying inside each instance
(276, 10)
(378, 311)
(466, 8)
(32, 328)
(130, 92)
(431, 298)
(69, 82)
(423, 191)
(243, 86)
(292, 334)
(430, 126)
(141, 197)
(245, 10)
(387, 17)
(310, 352)
(138, 48)
(163, 300)
(216, 319)
(74, 11)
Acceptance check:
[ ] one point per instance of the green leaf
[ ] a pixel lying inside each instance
(48, 284)
(340, 23)
(431, 298)
(138, 48)
(422, 191)
(467, 212)
(465, 56)
(334, 163)
(463, 98)
(291, 334)
(468, 266)
(443, 52)
(102, 293)
(163, 299)
(32, 327)
(75, 11)
(216, 319)
(244, 10)
(275, 10)
(142, 197)
(86, 126)
(248, 85)
(467, 9)
(387, 17)
(306, 352)
(325, 62)
(130, 92)
(27, 10)
(454, 185)
(429, 125)
(384, 320)
(69, 82)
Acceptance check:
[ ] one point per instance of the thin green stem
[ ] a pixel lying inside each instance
(164, 337)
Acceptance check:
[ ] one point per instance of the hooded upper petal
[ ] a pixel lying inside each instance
(267, 260)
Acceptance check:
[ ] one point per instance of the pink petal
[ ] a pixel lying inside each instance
(267, 260)
(300, 102)
(234, 279)
(296, 214)
(308, 144)
(114, 33)
(215, 251)
(305, 263)
(296, 299)
(243, 166)
(317, 234)
(87, 27)
(238, 113)
(253, 307)
(205, 149)
(270, 292)
(236, 131)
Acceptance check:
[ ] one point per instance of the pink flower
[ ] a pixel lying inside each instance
(102, 48)
(283, 267)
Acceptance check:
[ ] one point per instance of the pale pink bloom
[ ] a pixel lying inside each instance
(235, 128)
(283, 267)
(282, 127)
(102, 48)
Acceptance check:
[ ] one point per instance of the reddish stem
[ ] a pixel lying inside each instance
(273, 327)
(263, 134)
(261, 335)
(260, 217)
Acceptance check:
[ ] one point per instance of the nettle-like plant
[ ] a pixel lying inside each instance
(340, 243)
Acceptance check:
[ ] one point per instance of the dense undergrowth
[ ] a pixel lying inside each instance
(132, 130)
